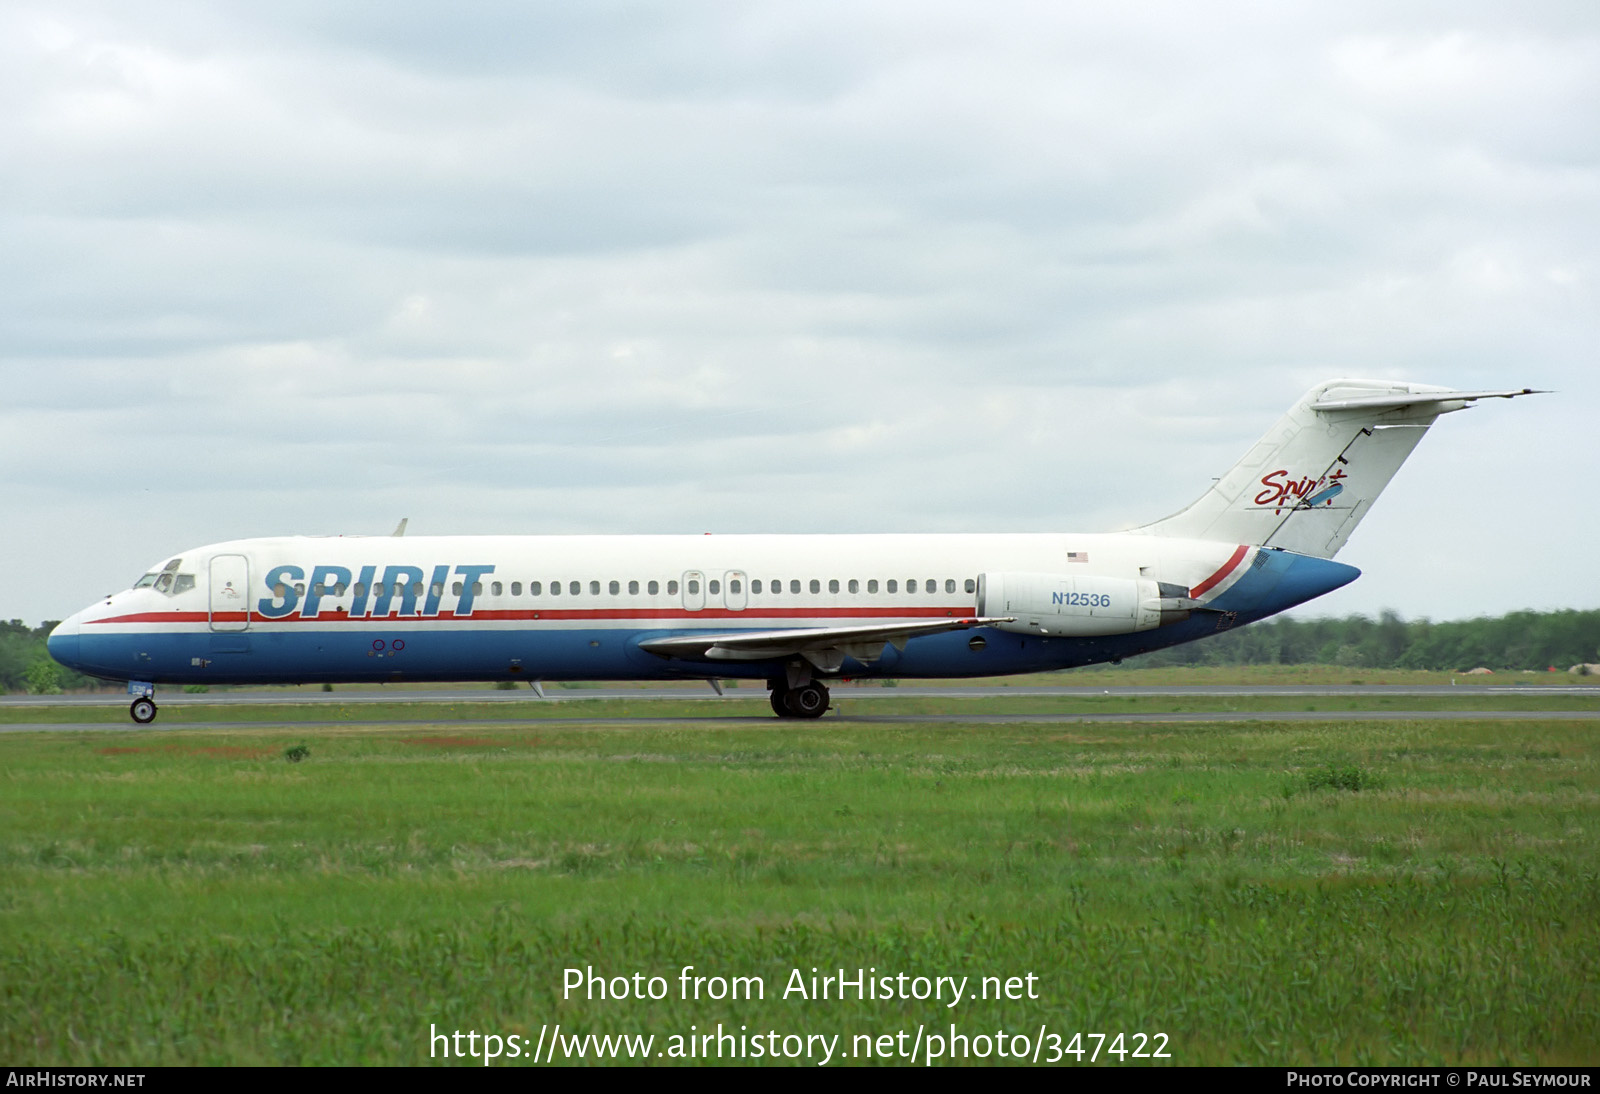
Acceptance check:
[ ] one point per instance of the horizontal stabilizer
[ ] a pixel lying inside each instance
(1389, 402)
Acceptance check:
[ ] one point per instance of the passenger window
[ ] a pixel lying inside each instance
(299, 588)
(535, 588)
(794, 585)
(455, 590)
(477, 588)
(972, 586)
(614, 588)
(694, 586)
(496, 589)
(949, 584)
(633, 588)
(574, 587)
(932, 585)
(594, 588)
(891, 587)
(320, 589)
(555, 588)
(672, 588)
(872, 584)
(359, 589)
(734, 586)
(653, 588)
(280, 592)
(516, 588)
(714, 587)
(833, 584)
(377, 590)
(777, 586)
(911, 584)
(755, 585)
(855, 586)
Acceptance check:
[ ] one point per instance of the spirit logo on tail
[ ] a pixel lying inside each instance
(1280, 488)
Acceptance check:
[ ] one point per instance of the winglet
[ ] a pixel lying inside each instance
(400, 529)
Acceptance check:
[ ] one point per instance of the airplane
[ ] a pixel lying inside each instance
(794, 611)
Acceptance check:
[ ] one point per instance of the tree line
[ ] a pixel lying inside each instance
(1520, 640)
(25, 664)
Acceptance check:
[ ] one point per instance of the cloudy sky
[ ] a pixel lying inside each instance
(539, 268)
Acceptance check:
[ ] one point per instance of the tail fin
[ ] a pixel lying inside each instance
(1307, 484)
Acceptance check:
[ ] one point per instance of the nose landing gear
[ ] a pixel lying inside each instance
(143, 707)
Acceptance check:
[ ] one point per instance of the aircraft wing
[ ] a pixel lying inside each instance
(824, 647)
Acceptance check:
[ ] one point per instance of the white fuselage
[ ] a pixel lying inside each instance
(576, 607)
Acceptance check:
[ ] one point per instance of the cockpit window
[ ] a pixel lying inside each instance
(167, 580)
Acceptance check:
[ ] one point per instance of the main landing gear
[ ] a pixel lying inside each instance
(808, 700)
(143, 710)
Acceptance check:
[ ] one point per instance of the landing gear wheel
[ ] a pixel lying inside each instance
(776, 695)
(806, 701)
(143, 710)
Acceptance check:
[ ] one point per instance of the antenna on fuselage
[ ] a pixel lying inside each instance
(400, 529)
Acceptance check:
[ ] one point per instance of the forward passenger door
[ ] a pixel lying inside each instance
(230, 593)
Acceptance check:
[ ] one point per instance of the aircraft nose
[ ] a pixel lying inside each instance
(63, 642)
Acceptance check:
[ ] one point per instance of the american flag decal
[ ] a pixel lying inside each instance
(1077, 556)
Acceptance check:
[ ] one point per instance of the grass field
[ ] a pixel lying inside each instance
(1384, 892)
(750, 703)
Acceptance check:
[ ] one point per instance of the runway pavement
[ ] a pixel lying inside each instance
(852, 704)
(554, 693)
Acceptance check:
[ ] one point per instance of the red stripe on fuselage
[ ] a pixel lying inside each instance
(341, 616)
(1216, 578)
(160, 617)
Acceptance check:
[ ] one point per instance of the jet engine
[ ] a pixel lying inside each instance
(1084, 607)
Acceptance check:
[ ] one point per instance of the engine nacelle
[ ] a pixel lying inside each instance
(1087, 606)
